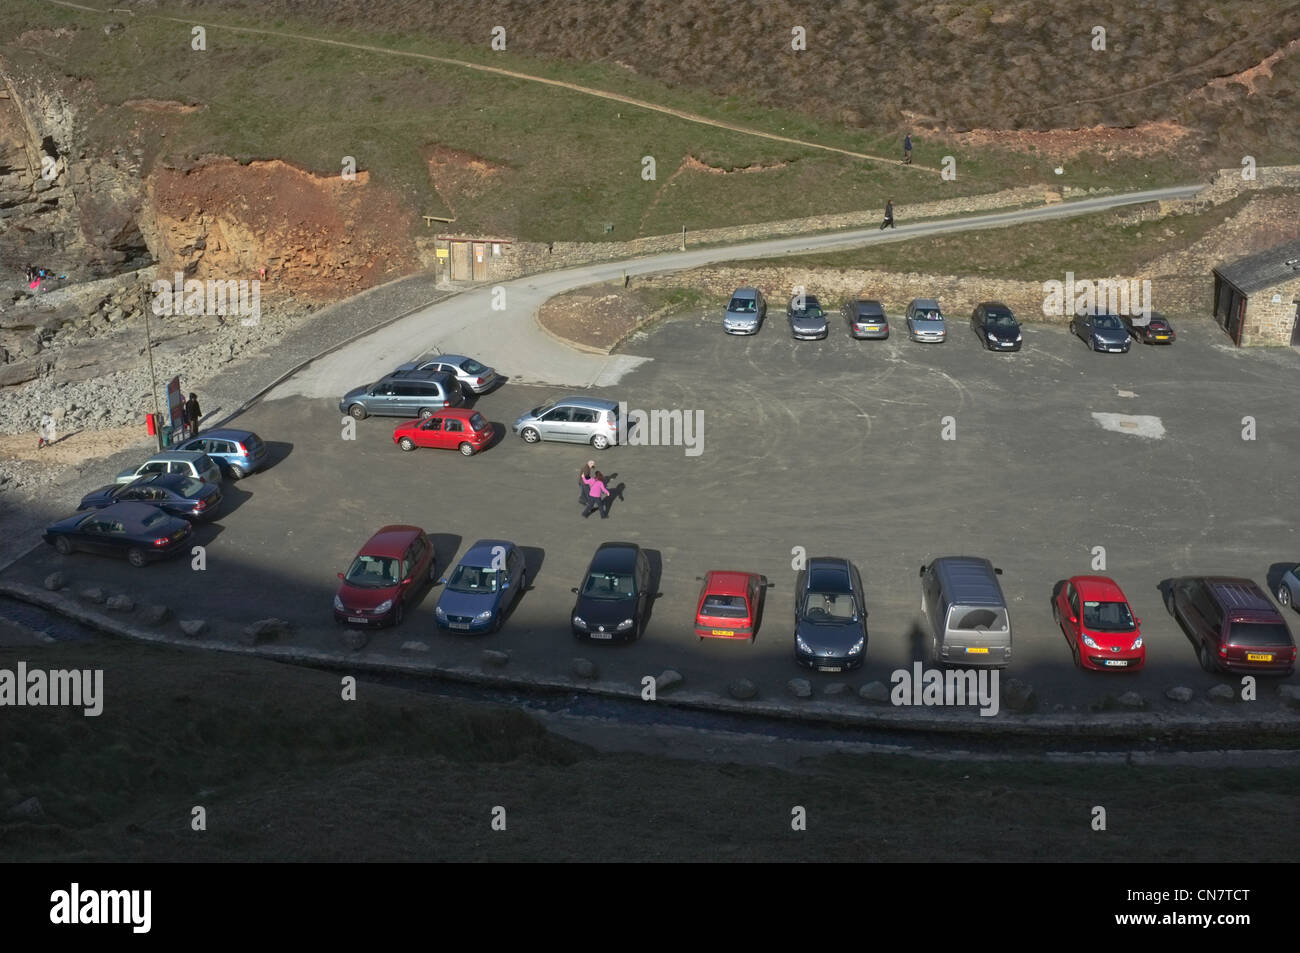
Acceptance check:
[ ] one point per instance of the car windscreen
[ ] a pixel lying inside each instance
(829, 607)
(1001, 321)
(474, 579)
(742, 306)
(609, 585)
(188, 487)
(928, 316)
(1106, 322)
(1108, 617)
(204, 463)
(471, 366)
(372, 572)
(477, 421)
(542, 408)
(730, 607)
(153, 519)
(1258, 633)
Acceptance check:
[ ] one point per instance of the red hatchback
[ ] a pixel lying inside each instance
(386, 575)
(454, 429)
(1099, 625)
(728, 606)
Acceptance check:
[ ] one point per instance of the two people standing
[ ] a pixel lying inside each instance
(593, 490)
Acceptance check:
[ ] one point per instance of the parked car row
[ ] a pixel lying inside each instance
(420, 388)
(1232, 623)
(146, 515)
(992, 322)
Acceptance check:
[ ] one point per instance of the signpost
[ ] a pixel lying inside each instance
(176, 408)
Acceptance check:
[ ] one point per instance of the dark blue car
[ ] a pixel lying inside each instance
(237, 452)
(174, 493)
(487, 581)
(140, 532)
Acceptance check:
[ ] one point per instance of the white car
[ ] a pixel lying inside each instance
(473, 377)
(193, 464)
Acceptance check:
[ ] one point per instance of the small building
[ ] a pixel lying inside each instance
(463, 258)
(1257, 298)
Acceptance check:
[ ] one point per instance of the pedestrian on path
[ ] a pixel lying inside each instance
(599, 496)
(192, 414)
(46, 432)
(583, 476)
(907, 149)
(889, 216)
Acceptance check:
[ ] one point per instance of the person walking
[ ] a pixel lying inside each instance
(889, 216)
(907, 149)
(583, 476)
(192, 414)
(46, 432)
(598, 495)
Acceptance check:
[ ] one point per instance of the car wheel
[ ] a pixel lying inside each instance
(426, 413)
(530, 435)
(1284, 595)
(600, 441)
(358, 412)
(497, 622)
(63, 545)
(1074, 651)
(1056, 613)
(406, 443)
(136, 558)
(1073, 329)
(399, 612)
(236, 472)
(1207, 660)
(466, 450)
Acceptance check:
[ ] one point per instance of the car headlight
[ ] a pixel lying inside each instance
(384, 606)
(991, 336)
(580, 623)
(1137, 644)
(801, 644)
(626, 624)
(1090, 643)
(857, 647)
(483, 616)
(439, 612)
(1019, 337)
(338, 604)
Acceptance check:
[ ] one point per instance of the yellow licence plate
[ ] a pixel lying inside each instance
(1258, 657)
(977, 651)
(722, 632)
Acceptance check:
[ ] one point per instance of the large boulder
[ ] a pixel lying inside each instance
(800, 687)
(1018, 696)
(742, 689)
(874, 692)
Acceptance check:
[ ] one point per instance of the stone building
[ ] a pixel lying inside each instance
(1257, 298)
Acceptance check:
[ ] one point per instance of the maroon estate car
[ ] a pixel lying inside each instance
(1233, 624)
(385, 576)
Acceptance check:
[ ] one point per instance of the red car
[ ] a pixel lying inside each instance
(385, 577)
(1099, 625)
(728, 606)
(454, 429)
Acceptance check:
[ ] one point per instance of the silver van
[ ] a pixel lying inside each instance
(963, 604)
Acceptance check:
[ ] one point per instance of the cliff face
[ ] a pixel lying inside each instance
(317, 236)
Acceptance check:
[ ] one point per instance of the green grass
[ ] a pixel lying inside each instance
(573, 162)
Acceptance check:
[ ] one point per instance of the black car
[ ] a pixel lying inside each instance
(140, 532)
(830, 616)
(996, 327)
(614, 595)
(174, 493)
(1153, 329)
(1101, 332)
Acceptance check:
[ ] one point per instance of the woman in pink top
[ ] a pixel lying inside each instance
(598, 495)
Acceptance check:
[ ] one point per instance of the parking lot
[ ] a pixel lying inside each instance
(889, 453)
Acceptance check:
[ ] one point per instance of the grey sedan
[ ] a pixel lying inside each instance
(473, 377)
(1102, 332)
(925, 321)
(808, 321)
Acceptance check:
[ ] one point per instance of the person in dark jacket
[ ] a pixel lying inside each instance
(583, 476)
(192, 414)
(907, 149)
(889, 216)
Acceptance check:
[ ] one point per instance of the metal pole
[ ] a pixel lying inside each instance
(153, 382)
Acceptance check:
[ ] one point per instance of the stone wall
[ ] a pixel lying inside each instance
(1227, 184)
(1268, 322)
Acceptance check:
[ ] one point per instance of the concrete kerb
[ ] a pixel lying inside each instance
(1110, 726)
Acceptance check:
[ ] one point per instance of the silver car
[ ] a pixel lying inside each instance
(191, 463)
(474, 378)
(572, 420)
(1288, 590)
(925, 321)
(808, 322)
(866, 319)
(745, 312)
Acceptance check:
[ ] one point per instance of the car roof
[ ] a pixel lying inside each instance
(227, 434)
(969, 581)
(614, 556)
(591, 403)
(1239, 595)
(391, 540)
(460, 413)
(190, 456)
(1098, 589)
(727, 582)
(746, 292)
(419, 376)
(132, 514)
(868, 304)
(928, 304)
(480, 554)
(994, 306)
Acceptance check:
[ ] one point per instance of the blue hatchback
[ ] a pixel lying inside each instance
(487, 581)
(237, 452)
